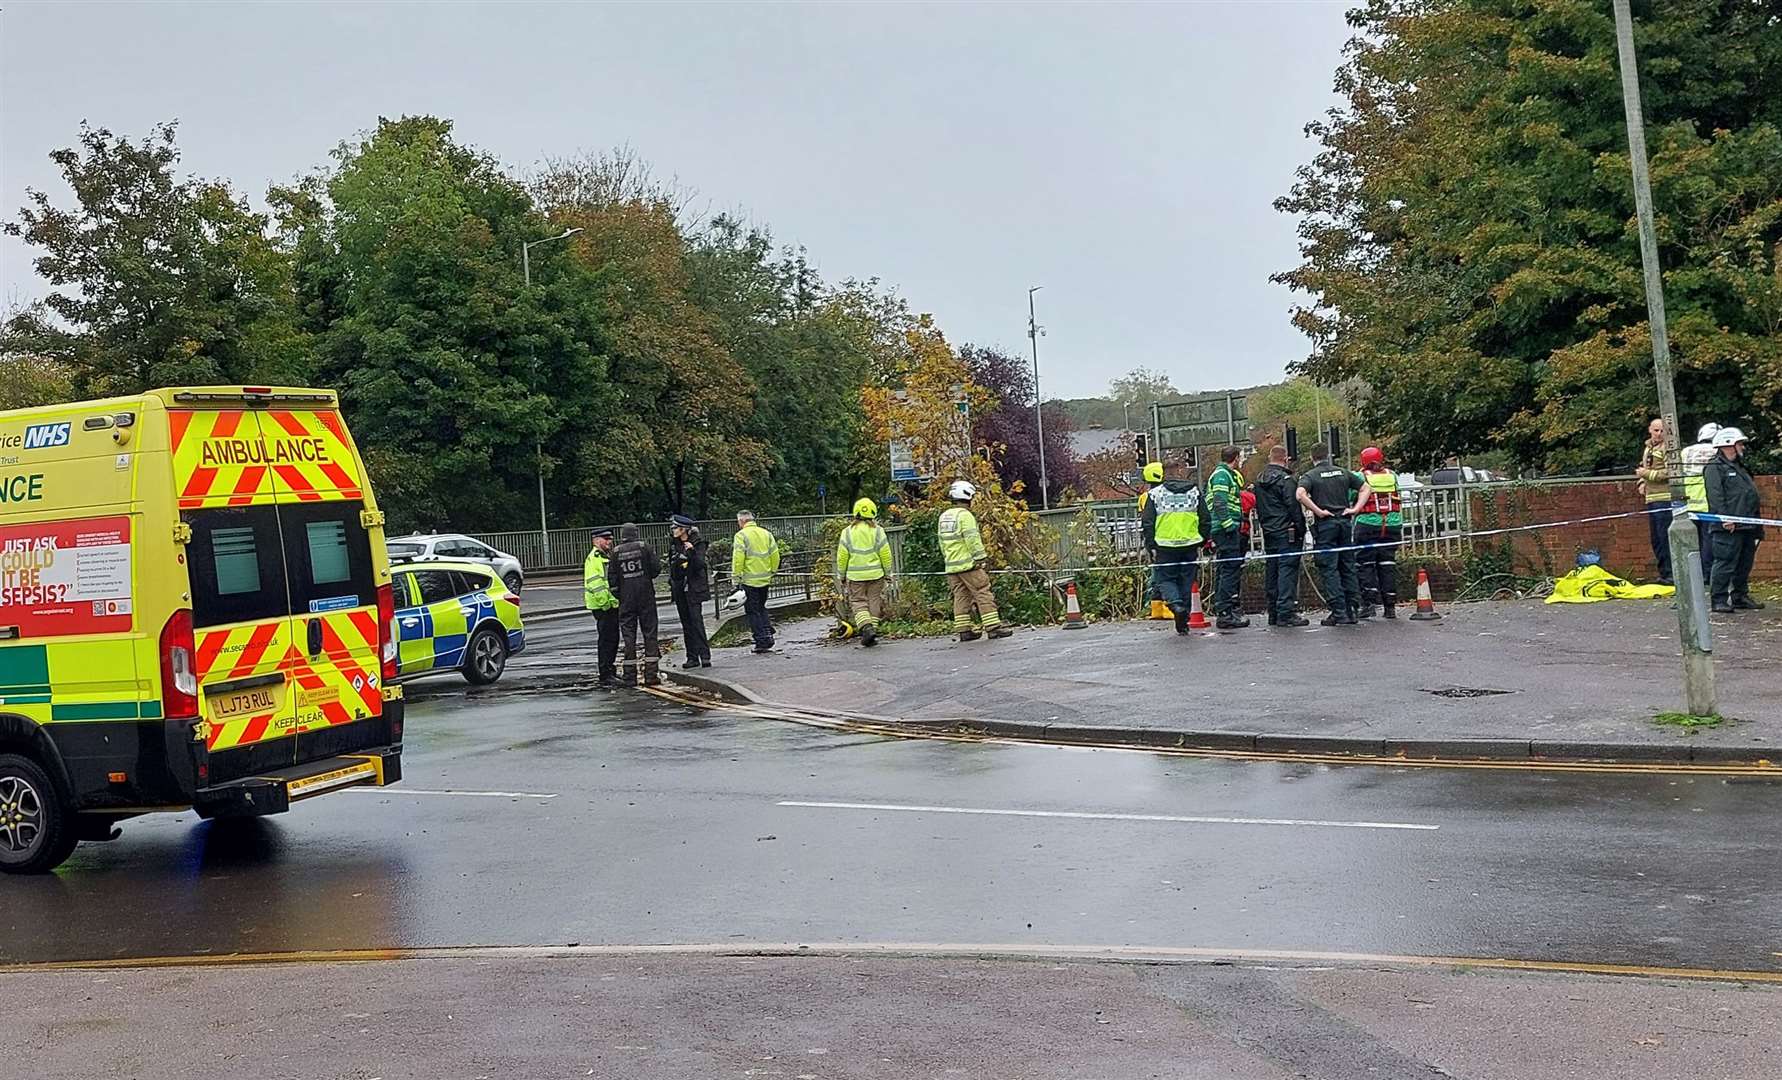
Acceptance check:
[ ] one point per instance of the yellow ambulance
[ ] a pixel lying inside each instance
(195, 613)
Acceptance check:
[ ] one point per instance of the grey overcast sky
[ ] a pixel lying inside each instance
(1122, 156)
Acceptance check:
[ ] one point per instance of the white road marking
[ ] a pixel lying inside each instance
(1189, 819)
(464, 794)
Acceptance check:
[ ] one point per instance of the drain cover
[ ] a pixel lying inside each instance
(1466, 692)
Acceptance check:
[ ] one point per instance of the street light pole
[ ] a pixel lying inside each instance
(1039, 416)
(1692, 618)
(544, 528)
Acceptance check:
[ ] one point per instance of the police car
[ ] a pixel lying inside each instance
(455, 615)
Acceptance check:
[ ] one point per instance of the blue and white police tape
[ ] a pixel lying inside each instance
(1727, 519)
(1314, 552)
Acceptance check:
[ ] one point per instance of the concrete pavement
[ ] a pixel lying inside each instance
(1496, 680)
(876, 1018)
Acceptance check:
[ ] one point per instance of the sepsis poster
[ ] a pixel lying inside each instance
(66, 577)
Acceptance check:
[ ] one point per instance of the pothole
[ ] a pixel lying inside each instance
(1465, 691)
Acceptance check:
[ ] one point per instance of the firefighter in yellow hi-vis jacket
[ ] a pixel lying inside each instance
(862, 566)
(962, 549)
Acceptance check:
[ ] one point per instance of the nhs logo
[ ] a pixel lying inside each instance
(42, 436)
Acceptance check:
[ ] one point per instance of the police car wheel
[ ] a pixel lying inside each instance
(485, 658)
(36, 834)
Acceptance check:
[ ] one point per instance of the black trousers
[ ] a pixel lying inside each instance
(1280, 573)
(692, 613)
(1734, 552)
(1377, 566)
(1336, 569)
(755, 607)
(631, 620)
(1658, 525)
(1228, 548)
(606, 625)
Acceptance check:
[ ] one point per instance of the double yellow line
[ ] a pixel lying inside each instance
(919, 950)
(892, 729)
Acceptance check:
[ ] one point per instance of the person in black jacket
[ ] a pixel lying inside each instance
(632, 570)
(1731, 493)
(689, 582)
(1283, 523)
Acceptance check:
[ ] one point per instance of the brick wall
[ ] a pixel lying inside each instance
(1625, 543)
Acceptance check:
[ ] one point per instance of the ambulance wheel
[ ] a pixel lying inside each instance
(485, 658)
(36, 830)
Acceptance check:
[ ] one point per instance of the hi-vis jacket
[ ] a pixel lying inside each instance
(755, 555)
(863, 553)
(597, 595)
(961, 545)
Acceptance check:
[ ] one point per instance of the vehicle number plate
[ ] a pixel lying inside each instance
(240, 703)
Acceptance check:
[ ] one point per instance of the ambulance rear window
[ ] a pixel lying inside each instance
(330, 557)
(237, 561)
(237, 565)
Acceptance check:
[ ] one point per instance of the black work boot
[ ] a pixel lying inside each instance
(969, 635)
(1273, 619)
(999, 631)
(1231, 622)
(1181, 621)
(1745, 603)
(1388, 611)
(1366, 612)
(1294, 620)
(1721, 607)
(869, 636)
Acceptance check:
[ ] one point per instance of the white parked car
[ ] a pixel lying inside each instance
(426, 547)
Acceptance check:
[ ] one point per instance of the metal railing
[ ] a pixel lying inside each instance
(568, 547)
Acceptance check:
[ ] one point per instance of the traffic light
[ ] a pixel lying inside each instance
(1143, 444)
(1335, 438)
(1292, 441)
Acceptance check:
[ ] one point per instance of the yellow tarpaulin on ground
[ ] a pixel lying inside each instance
(1588, 584)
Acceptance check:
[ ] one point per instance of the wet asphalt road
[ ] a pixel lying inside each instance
(537, 813)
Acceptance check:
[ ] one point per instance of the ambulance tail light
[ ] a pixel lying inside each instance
(179, 675)
(386, 630)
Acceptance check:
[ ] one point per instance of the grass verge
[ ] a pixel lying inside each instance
(1688, 722)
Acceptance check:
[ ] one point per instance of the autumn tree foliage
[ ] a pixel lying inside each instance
(1468, 235)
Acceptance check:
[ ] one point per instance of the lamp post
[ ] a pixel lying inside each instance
(1039, 416)
(1692, 618)
(544, 530)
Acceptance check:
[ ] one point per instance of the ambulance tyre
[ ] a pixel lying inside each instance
(485, 658)
(36, 830)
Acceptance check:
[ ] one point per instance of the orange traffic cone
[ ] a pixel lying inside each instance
(1426, 611)
(1073, 611)
(1197, 617)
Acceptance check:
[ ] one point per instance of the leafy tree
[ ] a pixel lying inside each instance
(28, 381)
(1299, 403)
(452, 374)
(1008, 430)
(805, 353)
(687, 403)
(160, 280)
(1468, 233)
(1139, 388)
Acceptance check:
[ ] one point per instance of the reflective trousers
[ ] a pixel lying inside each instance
(971, 591)
(866, 599)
